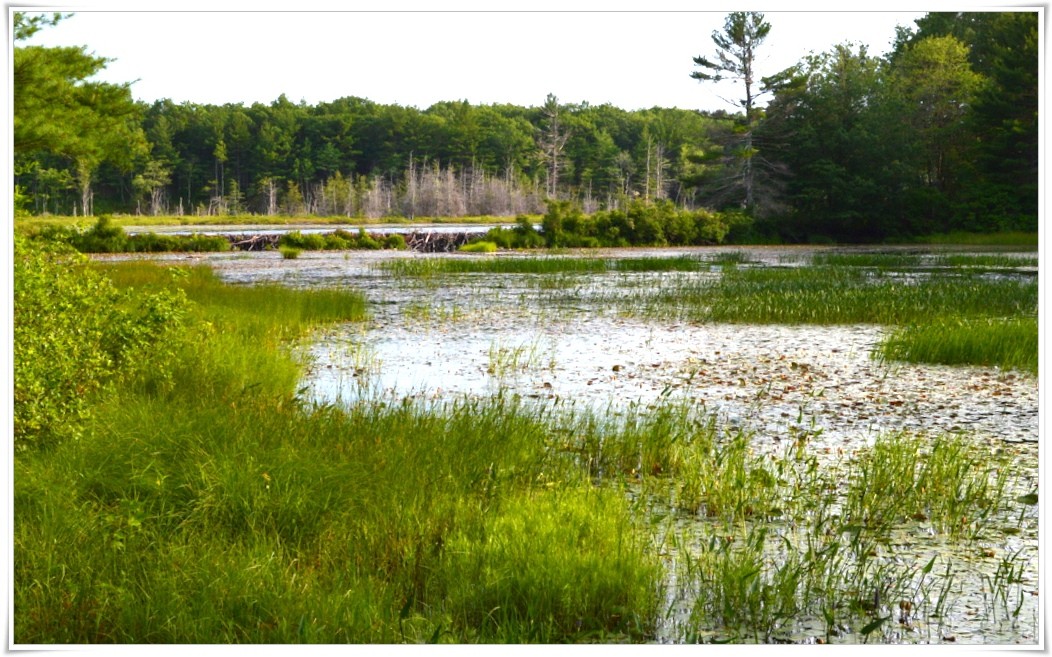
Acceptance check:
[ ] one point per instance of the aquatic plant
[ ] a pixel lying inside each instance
(1008, 343)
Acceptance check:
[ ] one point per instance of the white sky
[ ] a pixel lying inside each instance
(630, 58)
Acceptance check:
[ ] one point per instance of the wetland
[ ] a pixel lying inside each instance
(692, 445)
(801, 404)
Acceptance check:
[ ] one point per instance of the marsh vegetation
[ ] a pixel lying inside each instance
(388, 447)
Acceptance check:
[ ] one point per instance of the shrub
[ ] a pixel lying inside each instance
(74, 332)
(289, 252)
(395, 241)
(479, 247)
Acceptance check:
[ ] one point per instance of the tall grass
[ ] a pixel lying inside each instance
(213, 505)
(1006, 343)
(833, 295)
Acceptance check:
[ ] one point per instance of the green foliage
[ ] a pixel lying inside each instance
(74, 334)
(481, 246)
(552, 567)
(642, 224)
(340, 240)
(107, 237)
(1005, 343)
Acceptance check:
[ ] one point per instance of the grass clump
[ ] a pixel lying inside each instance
(289, 252)
(1006, 343)
(986, 260)
(844, 295)
(482, 246)
(566, 557)
(948, 481)
(875, 260)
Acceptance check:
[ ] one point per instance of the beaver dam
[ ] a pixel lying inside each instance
(421, 241)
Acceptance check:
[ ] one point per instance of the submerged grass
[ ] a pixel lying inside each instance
(424, 267)
(877, 260)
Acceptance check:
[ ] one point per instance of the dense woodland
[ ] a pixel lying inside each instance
(940, 135)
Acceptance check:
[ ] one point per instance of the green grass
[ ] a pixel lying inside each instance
(205, 502)
(833, 295)
(986, 260)
(949, 481)
(1006, 343)
(479, 247)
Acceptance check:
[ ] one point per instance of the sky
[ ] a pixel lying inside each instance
(629, 57)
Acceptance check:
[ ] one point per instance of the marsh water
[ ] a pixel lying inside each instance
(568, 340)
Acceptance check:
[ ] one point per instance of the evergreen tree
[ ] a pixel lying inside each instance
(743, 32)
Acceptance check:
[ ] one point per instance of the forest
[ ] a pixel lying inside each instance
(940, 135)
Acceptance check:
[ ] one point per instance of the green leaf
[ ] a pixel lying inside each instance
(872, 627)
(1029, 498)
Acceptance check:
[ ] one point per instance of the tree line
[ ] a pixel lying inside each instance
(939, 135)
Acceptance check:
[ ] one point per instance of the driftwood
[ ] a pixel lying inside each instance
(425, 242)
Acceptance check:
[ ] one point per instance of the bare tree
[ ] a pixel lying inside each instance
(552, 141)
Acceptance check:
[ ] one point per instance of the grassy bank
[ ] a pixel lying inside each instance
(201, 501)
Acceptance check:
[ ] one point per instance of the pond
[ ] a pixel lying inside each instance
(572, 340)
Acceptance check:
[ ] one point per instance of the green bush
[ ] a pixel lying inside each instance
(642, 223)
(479, 247)
(106, 237)
(74, 332)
